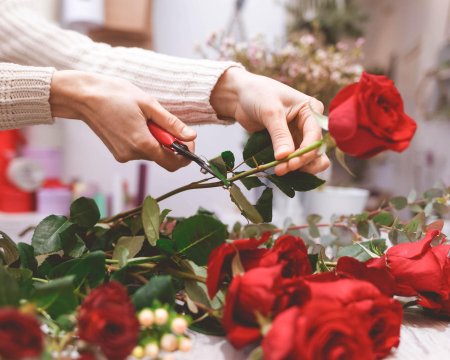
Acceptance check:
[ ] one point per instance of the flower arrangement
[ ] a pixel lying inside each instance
(133, 283)
(304, 62)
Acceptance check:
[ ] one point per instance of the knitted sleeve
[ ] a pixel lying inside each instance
(24, 94)
(182, 86)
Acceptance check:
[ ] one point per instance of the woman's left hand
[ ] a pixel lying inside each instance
(258, 102)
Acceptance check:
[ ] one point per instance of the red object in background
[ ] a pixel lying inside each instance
(12, 199)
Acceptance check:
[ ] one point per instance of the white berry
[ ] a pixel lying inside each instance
(169, 342)
(185, 344)
(161, 316)
(146, 318)
(179, 326)
(152, 350)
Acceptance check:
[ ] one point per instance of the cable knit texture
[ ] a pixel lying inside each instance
(182, 86)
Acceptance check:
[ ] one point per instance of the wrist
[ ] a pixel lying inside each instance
(68, 93)
(225, 95)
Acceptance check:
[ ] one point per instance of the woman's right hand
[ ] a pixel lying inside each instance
(117, 111)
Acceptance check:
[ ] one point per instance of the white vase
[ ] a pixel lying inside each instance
(331, 200)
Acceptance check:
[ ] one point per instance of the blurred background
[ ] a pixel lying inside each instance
(316, 46)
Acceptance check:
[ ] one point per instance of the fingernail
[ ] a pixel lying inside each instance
(188, 132)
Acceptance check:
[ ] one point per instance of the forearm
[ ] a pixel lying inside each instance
(24, 96)
(183, 86)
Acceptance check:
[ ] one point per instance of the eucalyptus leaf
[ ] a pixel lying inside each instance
(159, 288)
(383, 218)
(362, 251)
(196, 236)
(264, 205)
(247, 209)
(399, 202)
(344, 235)
(47, 236)
(84, 212)
(133, 244)
(8, 248)
(150, 219)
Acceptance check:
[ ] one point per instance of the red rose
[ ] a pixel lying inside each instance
(383, 315)
(351, 268)
(260, 291)
(368, 117)
(288, 250)
(107, 319)
(20, 335)
(321, 330)
(416, 267)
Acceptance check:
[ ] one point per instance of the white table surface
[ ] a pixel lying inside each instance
(422, 338)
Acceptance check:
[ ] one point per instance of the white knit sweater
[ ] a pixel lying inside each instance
(183, 86)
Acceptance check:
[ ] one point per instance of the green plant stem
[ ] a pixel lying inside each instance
(202, 185)
(44, 281)
(184, 275)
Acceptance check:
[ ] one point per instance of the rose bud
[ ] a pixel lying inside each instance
(161, 316)
(169, 342)
(138, 352)
(146, 318)
(185, 344)
(152, 350)
(179, 326)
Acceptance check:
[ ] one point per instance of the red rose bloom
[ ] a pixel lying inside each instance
(288, 250)
(416, 267)
(321, 330)
(263, 291)
(348, 267)
(383, 315)
(20, 335)
(368, 117)
(107, 319)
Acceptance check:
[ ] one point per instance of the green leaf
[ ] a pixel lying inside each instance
(150, 219)
(416, 223)
(197, 236)
(399, 202)
(196, 292)
(251, 182)
(76, 248)
(163, 215)
(89, 269)
(362, 250)
(159, 288)
(8, 249)
(84, 212)
(312, 220)
(47, 236)
(132, 245)
(57, 297)
(321, 119)
(219, 164)
(340, 157)
(26, 257)
(363, 228)
(228, 158)
(264, 205)
(9, 289)
(296, 181)
(344, 235)
(258, 150)
(247, 209)
(219, 173)
(383, 218)
(166, 245)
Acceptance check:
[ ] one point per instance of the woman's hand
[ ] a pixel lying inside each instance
(117, 112)
(258, 102)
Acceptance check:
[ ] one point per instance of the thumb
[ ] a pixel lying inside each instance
(154, 111)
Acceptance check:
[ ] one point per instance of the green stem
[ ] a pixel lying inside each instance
(201, 185)
(40, 280)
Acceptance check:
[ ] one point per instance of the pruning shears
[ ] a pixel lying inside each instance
(172, 143)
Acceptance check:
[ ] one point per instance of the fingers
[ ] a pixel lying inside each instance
(154, 111)
(317, 165)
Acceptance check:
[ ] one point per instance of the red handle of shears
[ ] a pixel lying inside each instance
(163, 137)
